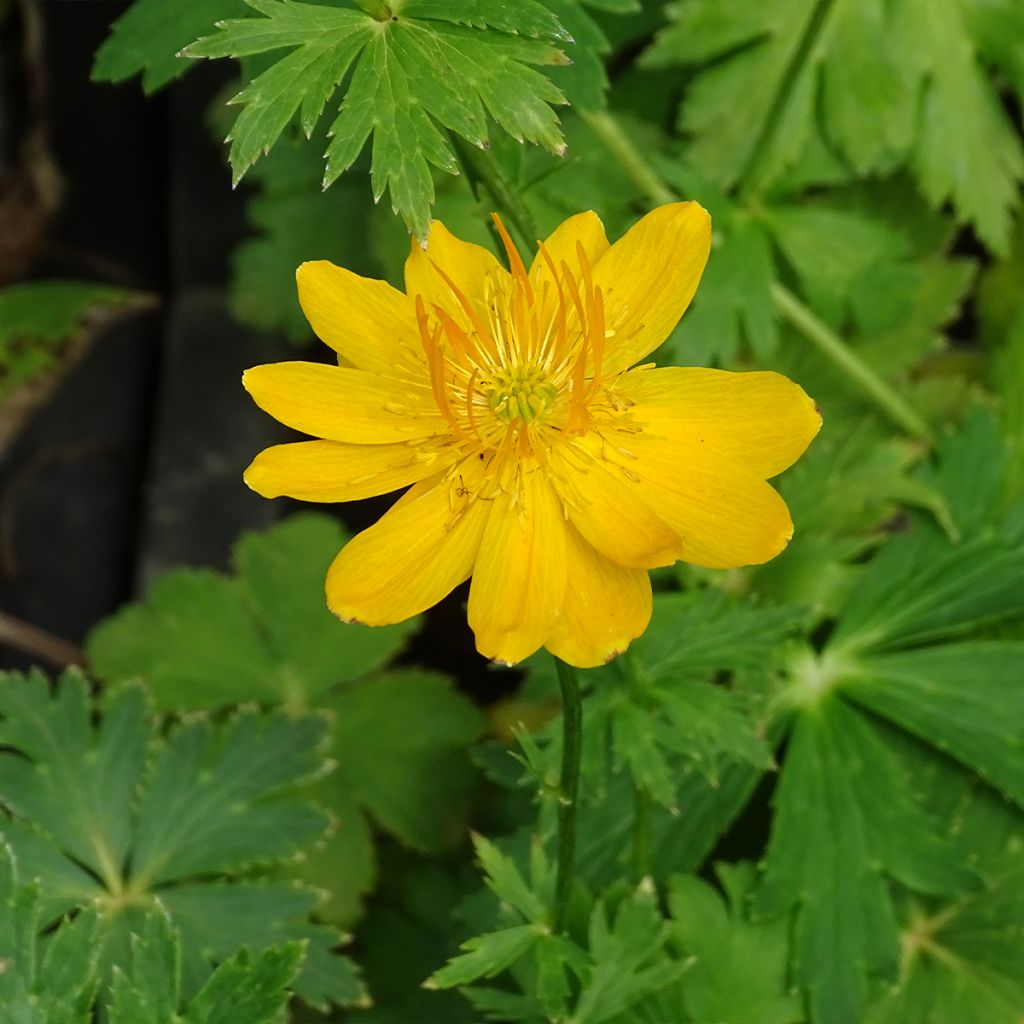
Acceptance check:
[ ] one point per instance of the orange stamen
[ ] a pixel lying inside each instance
(515, 263)
(482, 333)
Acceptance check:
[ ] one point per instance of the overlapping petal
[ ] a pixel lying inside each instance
(415, 555)
(648, 278)
(609, 510)
(520, 575)
(368, 323)
(335, 471)
(760, 420)
(466, 265)
(605, 608)
(339, 403)
(725, 514)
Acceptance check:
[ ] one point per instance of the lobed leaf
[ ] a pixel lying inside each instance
(413, 72)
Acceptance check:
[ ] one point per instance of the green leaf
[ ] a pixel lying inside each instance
(45, 326)
(253, 989)
(979, 723)
(413, 74)
(967, 150)
(700, 633)
(628, 959)
(781, 81)
(400, 743)
(487, 956)
(844, 819)
(505, 881)
(55, 987)
(740, 969)
(147, 38)
(963, 961)
(204, 641)
(921, 590)
(148, 817)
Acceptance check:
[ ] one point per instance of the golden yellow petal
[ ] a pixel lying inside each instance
(760, 420)
(415, 555)
(335, 471)
(583, 229)
(648, 278)
(606, 607)
(344, 404)
(608, 508)
(726, 515)
(467, 265)
(519, 578)
(368, 323)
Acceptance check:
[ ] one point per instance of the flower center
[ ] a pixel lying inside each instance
(523, 393)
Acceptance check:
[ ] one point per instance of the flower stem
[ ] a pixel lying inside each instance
(569, 787)
(788, 306)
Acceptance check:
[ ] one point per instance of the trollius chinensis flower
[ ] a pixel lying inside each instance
(540, 459)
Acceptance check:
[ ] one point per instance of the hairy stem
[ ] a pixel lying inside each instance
(788, 306)
(569, 787)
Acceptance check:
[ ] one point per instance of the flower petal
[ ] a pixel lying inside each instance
(605, 608)
(609, 510)
(519, 578)
(415, 555)
(343, 404)
(648, 278)
(335, 471)
(584, 229)
(760, 420)
(368, 323)
(726, 515)
(467, 265)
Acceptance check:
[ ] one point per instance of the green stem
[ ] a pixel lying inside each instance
(789, 307)
(568, 794)
(619, 144)
(829, 344)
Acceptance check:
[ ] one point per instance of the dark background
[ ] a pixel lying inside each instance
(135, 464)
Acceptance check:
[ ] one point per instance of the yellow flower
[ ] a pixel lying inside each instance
(540, 463)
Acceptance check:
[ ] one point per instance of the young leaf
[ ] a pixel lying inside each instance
(204, 641)
(107, 814)
(414, 72)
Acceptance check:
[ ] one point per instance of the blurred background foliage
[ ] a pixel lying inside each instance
(803, 789)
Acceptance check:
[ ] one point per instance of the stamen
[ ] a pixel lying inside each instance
(515, 263)
(482, 333)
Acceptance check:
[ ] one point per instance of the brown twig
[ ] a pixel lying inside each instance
(38, 643)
